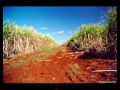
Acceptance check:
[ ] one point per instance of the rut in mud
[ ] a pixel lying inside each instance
(63, 67)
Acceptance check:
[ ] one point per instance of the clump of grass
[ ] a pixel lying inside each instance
(74, 71)
(17, 64)
(47, 51)
(78, 73)
(43, 53)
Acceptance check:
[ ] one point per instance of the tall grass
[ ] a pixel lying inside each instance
(24, 39)
(110, 36)
(88, 36)
(101, 38)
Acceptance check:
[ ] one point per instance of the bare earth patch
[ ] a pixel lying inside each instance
(63, 67)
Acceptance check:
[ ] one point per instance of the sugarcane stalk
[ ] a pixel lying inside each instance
(105, 71)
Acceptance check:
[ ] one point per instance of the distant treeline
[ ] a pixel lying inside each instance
(17, 40)
(96, 37)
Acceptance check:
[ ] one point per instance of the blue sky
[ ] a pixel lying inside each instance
(58, 21)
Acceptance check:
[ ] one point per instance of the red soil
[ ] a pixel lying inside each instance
(54, 69)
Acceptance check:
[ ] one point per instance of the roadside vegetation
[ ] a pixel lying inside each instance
(96, 38)
(37, 58)
(23, 40)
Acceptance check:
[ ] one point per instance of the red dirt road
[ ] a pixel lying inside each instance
(58, 69)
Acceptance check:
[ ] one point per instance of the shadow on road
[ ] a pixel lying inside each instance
(97, 56)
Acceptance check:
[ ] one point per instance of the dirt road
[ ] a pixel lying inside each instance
(63, 67)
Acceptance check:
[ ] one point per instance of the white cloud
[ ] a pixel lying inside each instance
(82, 25)
(102, 20)
(43, 28)
(99, 23)
(60, 32)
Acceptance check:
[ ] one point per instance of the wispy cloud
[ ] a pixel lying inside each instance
(99, 23)
(82, 25)
(60, 32)
(43, 28)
